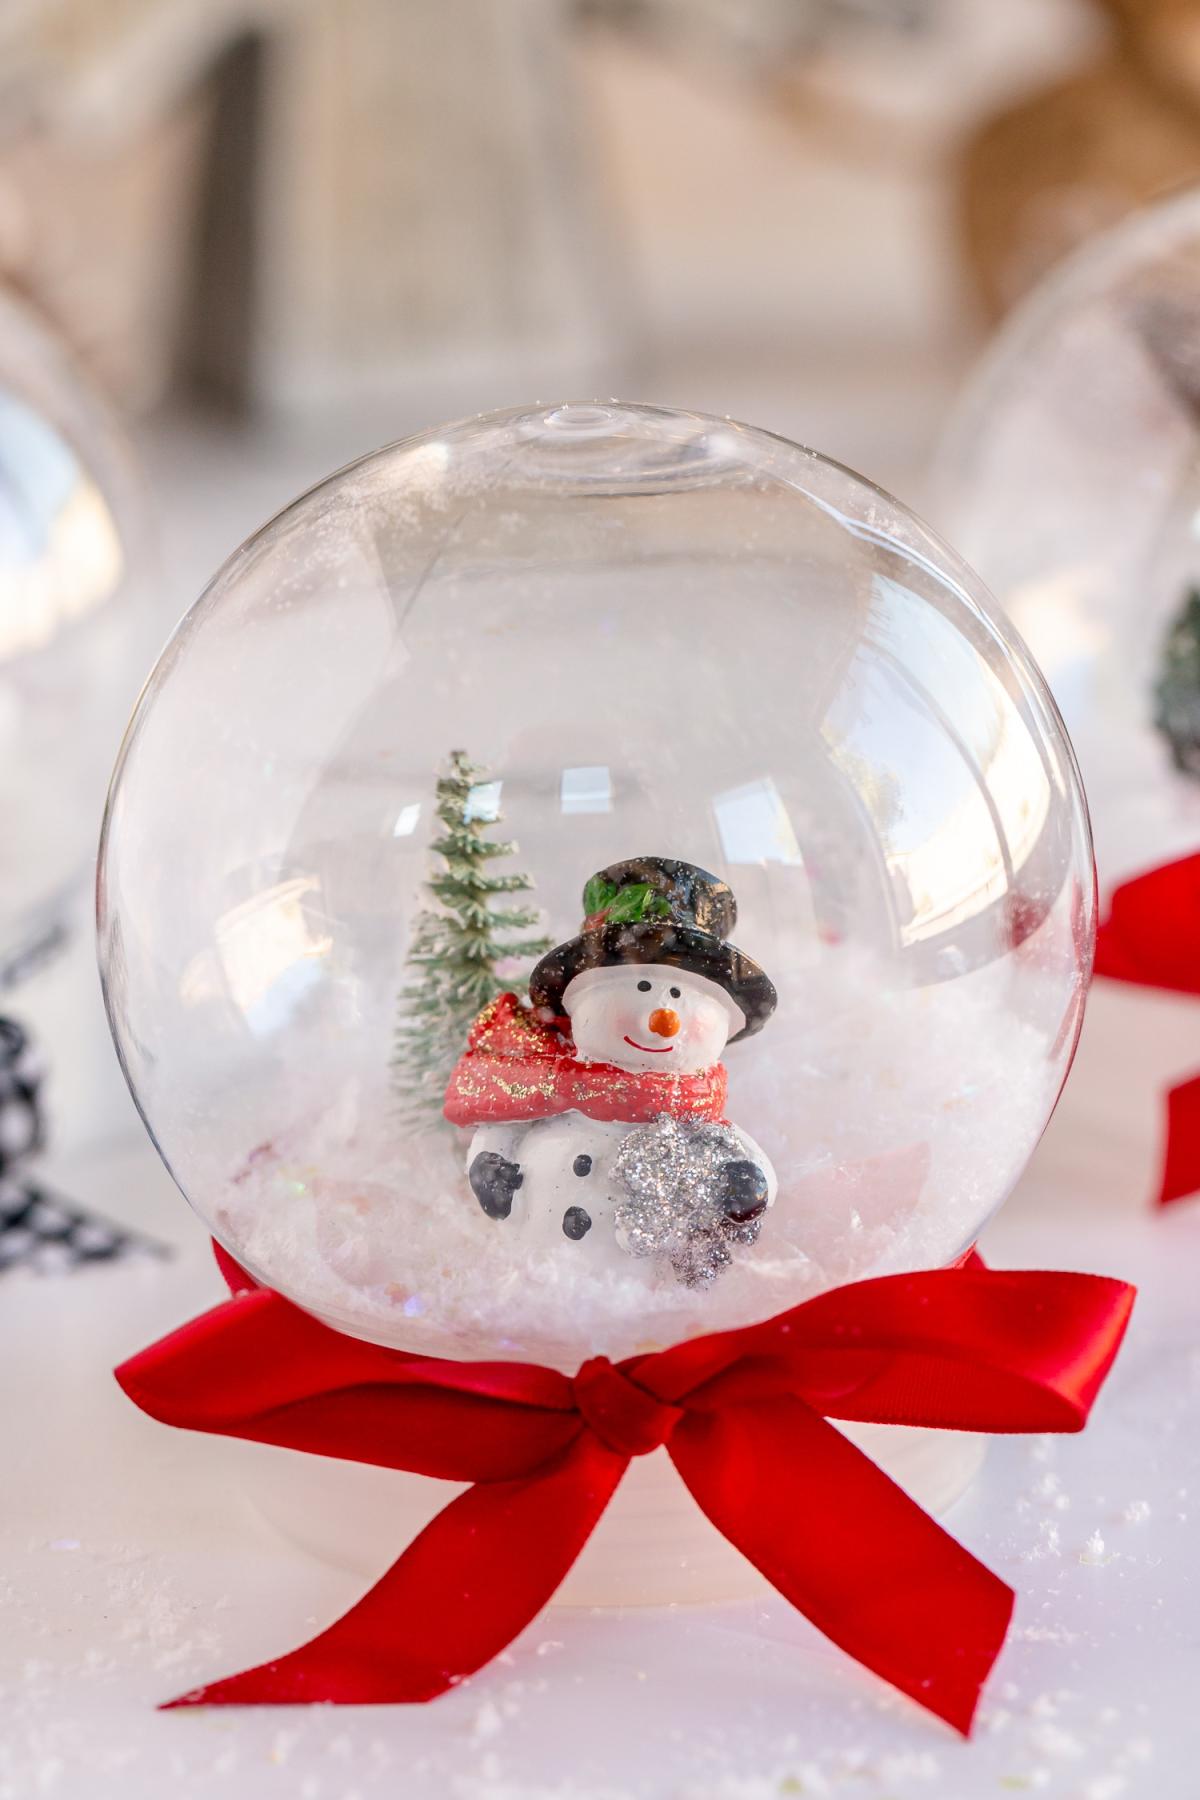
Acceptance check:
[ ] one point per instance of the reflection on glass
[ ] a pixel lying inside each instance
(754, 826)
(267, 955)
(955, 830)
(60, 555)
(586, 790)
(483, 802)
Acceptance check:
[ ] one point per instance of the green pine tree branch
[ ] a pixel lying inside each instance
(458, 943)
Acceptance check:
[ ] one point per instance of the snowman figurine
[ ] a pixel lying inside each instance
(598, 1109)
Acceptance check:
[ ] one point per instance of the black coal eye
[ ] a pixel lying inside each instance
(674, 993)
(643, 987)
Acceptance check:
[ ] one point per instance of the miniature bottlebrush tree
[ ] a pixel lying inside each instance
(1177, 692)
(459, 941)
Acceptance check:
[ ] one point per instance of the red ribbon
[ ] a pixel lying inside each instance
(744, 1416)
(1151, 938)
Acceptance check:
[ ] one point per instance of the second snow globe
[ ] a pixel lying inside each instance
(1070, 475)
(591, 875)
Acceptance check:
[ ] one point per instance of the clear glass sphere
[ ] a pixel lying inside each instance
(780, 777)
(72, 622)
(1070, 478)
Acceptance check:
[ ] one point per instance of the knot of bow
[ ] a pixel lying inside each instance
(628, 1418)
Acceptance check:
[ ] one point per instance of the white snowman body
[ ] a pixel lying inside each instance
(636, 1017)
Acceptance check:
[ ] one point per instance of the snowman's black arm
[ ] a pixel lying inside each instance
(494, 1180)
(745, 1191)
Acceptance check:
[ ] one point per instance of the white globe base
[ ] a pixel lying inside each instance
(653, 1547)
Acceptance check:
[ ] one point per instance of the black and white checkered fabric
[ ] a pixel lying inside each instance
(40, 1230)
(21, 1131)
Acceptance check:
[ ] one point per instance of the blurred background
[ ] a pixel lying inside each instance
(340, 220)
(265, 236)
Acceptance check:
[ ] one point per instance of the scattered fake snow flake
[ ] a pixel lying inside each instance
(800, 1782)
(1046, 1634)
(1104, 1787)
(1052, 1740)
(1093, 1551)
(1047, 1490)
(487, 1721)
(481, 1786)
(282, 1745)
(1049, 1542)
(549, 1646)
(1137, 1512)
(909, 1765)
(48, 1773)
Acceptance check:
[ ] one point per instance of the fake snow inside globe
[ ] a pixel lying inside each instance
(587, 876)
(72, 617)
(1070, 477)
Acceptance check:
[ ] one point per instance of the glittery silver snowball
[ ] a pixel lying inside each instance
(677, 1197)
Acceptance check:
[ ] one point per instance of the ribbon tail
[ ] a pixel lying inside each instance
(1181, 1161)
(467, 1584)
(848, 1548)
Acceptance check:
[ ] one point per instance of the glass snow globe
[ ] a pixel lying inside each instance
(72, 621)
(589, 875)
(1070, 477)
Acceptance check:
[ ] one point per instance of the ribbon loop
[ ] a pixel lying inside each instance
(623, 1415)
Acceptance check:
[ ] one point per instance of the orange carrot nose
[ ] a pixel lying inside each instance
(663, 1022)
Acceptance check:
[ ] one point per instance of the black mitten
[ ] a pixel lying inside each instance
(745, 1191)
(494, 1180)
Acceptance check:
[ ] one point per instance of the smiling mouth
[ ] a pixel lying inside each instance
(650, 1049)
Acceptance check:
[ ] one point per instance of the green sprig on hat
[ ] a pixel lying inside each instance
(628, 905)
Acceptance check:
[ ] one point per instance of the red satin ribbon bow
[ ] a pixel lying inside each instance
(743, 1416)
(1151, 938)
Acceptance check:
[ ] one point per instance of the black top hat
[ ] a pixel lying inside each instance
(652, 909)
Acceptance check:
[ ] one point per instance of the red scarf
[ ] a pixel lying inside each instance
(516, 1068)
